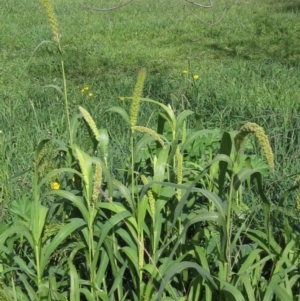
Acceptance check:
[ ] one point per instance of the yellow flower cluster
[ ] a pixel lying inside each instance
(195, 76)
(55, 185)
(85, 89)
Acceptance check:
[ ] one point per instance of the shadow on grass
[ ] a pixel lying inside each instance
(287, 6)
(270, 36)
(284, 51)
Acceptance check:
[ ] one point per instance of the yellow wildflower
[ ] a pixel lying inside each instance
(196, 76)
(55, 185)
(91, 94)
(184, 72)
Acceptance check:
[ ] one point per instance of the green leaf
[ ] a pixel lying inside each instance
(39, 149)
(266, 204)
(74, 282)
(102, 268)
(55, 87)
(205, 216)
(170, 113)
(195, 289)
(75, 121)
(109, 224)
(55, 172)
(118, 282)
(160, 169)
(16, 230)
(24, 267)
(225, 149)
(60, 237)
(284, 257)
(120, 111)
(231, 292)
(38, 221)
(30, 290)
(117, 207)
(249, 287)
(132, 256)
(125, 193)
(178, 268)
(248, 263)
(76, 200)
(182, 116)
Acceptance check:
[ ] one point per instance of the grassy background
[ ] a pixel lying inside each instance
(248, 67)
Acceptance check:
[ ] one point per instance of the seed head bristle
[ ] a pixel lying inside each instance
(150, 197)
(136, 98)
(262, 138)
(52, 19)
(90, 121)
(150, 132)
(97, 182)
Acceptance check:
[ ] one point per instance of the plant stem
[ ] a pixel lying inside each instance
(66, 100)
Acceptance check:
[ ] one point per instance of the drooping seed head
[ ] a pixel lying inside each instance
(90, 121)
(262, 138)
(150, 132)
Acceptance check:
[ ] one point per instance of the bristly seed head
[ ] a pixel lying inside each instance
(90, 121)
(150, 132)
(262, 138)
(97, 182)
(150, 197)
(137, 97)
(52, 19)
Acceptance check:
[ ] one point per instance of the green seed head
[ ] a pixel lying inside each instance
(137, 97)
(262, 138)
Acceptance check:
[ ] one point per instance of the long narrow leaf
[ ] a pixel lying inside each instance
(60, 237)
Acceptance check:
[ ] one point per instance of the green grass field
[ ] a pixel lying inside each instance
(244, 69)
(248, 68)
